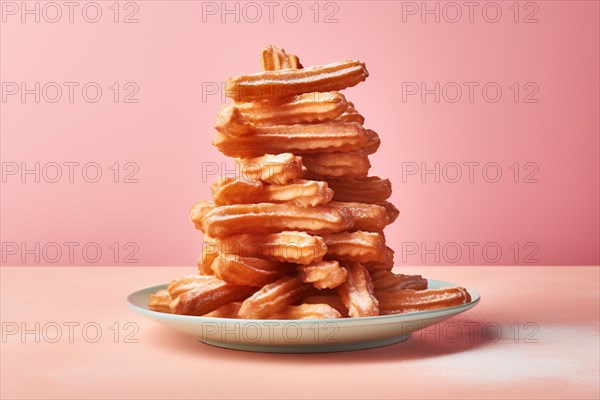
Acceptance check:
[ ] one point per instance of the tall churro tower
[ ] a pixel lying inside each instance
(298, 234)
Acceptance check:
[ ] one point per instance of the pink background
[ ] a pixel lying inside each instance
(170, 52)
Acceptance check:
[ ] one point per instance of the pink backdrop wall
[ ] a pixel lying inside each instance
(543, 56)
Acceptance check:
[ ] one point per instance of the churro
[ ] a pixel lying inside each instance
(210, 251)
(199, 295)
(273, 298)
(247, 271)
(351, 115)
(351, 164)
(265, 218)
(160, 301)
(273, 85)
(278, 169)
(356, 246)
(273, 58)
(357, 292)
(323, 274)
(364, 217)
(298, 139)
(373, 142)
(307, 311)
(332, 300)
(386, 264)
(305, 108)
(227, 311)
(199, 210)
(390, 210)
(300, 192)
(403, 301)
(387, 280)
(288, 246)
(365, 190)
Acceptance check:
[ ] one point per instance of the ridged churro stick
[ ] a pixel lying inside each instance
(273, 298)
(300, 192)
(265, 218)
(387, 280)
(273, 58)
(403, 301)
(357, 292)
(298, 139)
(198, 295)
(273, 85)
(323, 274)
(288, 246)
(351, 164)
(362, 190)
(271, 168)
(301, 109)
(355, 246)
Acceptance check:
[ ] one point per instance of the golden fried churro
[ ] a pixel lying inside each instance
(365, 190)
(227, 311)
(278, 169)
(357, 292)
(323, 274)
(300, 192)
(288, 246)
(247, 271)
(305, 108)
(298, 139)
(351, 115)
(351, 164)
(198, 295)
(273, 298)
(159, 301)
(372, 143)
(333, 300)
(199, 210)
(403, 301)
(231, 121)
(273, 85)
(307, 311)
(356, 246)
(365, 217)
(387, 280)
(390, 209)
(210, 251)
(265, 218)
(227, 190)
(386, 264)
(273, 58)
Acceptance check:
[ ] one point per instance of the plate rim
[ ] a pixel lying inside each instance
(475, 299)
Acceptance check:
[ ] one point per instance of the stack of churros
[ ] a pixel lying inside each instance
(298, 234)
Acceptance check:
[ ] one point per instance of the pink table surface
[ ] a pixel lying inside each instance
(555, 356)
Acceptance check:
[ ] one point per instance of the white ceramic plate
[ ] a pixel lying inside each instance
(301, 336)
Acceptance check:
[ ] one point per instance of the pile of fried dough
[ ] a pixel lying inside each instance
(298, 232)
